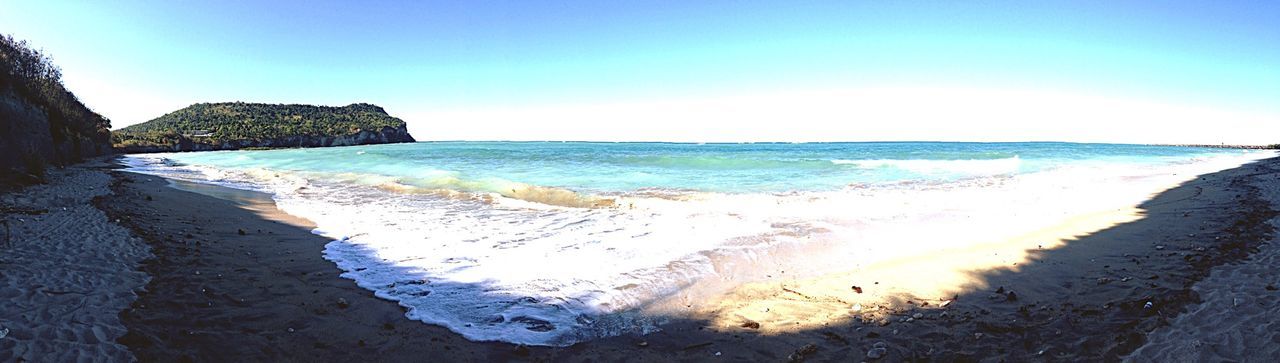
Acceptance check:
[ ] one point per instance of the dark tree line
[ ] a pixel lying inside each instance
(32, 77)
(214, 123)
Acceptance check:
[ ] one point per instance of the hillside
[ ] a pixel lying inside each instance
(41, 122)
(239, 125)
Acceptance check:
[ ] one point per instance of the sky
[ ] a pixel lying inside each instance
(692, 71)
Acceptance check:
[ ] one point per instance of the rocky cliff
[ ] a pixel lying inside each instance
(32, 137)
(41, 122)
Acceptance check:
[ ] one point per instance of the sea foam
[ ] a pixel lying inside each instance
(506, 266)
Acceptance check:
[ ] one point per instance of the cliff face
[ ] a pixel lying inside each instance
(41, 122)
(30, 138)
(386, 135)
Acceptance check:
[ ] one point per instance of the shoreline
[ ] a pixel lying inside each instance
(268, 294)
(237, 279)
(897, 318)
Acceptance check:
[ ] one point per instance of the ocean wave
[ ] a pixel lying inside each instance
(434, 182)
(487, 257)
(722, 163)
(927, 166)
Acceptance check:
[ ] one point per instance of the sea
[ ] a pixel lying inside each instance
(554, 243)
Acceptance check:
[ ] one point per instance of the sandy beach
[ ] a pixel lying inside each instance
(589, 181)
(66, 272)
(196, 272)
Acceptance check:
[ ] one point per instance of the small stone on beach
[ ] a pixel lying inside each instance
(800, 354)
(877, 353)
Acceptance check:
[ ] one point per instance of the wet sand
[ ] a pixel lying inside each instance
(235, 279)
(232, 278)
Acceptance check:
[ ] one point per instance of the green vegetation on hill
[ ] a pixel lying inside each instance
(40, 120)
(220, 123)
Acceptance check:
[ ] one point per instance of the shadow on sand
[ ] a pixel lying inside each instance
(1093, 298)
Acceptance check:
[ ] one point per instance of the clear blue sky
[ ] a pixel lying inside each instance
(534, 70)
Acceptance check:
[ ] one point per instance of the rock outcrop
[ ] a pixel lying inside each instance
(30, 139)
(41, 122)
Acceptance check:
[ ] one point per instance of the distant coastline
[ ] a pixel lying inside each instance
(240, 125)
(1227, 146)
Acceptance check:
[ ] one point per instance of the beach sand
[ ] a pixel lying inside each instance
(1239, 316)
(1079, 291)
(1076, 291)
(65, 272)
(236, 279)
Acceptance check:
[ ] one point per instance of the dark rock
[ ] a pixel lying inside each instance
(800, 354)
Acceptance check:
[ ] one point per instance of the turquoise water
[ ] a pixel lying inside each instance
(623, 167)
(556, 243)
